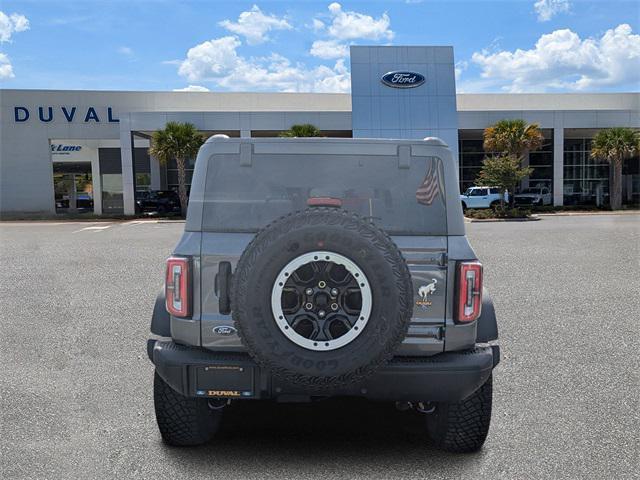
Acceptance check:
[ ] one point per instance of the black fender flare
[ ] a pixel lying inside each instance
(487, 328)
(160, 319)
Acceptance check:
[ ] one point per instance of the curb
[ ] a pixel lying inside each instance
(494, 220)
(60, 220)
(570, 214)
(89, 220)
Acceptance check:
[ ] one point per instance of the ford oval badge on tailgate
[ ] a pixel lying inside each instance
(224, 330)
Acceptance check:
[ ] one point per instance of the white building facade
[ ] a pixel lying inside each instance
(63, 151)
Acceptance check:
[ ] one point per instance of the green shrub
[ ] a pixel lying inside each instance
(498, 213)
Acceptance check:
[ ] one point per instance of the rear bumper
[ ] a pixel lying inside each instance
(446, 377)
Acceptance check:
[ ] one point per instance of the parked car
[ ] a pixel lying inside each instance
(482, 197)
(159, 202)
(62, 200)
(141, 196)
(84, 201)
(347, 284)
(534, 196)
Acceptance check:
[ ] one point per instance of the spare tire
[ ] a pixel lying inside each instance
(322, 298)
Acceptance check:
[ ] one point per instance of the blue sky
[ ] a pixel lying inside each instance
(500, 46)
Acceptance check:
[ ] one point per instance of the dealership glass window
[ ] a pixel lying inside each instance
(73, 187)
(111, 179)
(542, 163)
(586, 181)
(472, 154)
(635, 187)
(142, 168)
(172, 173)
(143, 182)
(112, 195)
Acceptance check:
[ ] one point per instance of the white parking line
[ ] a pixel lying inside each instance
(11, 223)
(94, 228)
(138, 222)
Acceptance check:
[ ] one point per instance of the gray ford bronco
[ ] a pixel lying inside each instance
(318, 267)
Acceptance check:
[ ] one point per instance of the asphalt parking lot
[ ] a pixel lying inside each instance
(76, 398)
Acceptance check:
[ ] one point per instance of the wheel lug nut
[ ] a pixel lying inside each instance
(309, 291)
(322, 284)
(308, 306)
(321, 313)
(334, 306)
(334, 292)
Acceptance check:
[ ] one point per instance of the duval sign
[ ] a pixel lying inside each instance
(402, 79)
(47, 114)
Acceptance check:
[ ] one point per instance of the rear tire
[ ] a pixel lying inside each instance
(464, 207)
(183, 421)
(494, 205)
(462, 427)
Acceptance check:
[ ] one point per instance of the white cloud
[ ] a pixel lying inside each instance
(278, 73)
(126, 51)
(210, 59)
(347, 25)
(192, 88)
(460, 67)
(217, 61)
(10, 24)
(317, 25)
(254, 25)
(547, 9)
(329, 49)
(6, 70)
(561, 60)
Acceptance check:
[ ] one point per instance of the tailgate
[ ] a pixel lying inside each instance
(427, 261)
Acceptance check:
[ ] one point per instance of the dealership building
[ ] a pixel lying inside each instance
(69, 151)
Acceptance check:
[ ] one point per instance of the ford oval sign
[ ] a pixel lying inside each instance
(403, 79)
(224, 330)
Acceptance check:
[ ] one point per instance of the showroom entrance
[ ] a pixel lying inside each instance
(76, 182)
(73, 187)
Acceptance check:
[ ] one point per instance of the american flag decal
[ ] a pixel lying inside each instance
(429, 189)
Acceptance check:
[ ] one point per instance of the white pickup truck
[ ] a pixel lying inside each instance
(534, 196)
(482, 197)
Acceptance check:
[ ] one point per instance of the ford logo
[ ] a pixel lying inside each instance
(403, 79)
(224, 330)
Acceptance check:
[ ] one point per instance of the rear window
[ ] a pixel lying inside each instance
(403, 201)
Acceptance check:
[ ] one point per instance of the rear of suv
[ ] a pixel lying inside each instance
(313, 268)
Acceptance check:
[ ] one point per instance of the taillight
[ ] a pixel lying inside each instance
(177, 287)
(469, 299)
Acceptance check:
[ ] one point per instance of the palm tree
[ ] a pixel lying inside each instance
(303, 130)
(513, 139)
(615, 145)
(179, 141)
